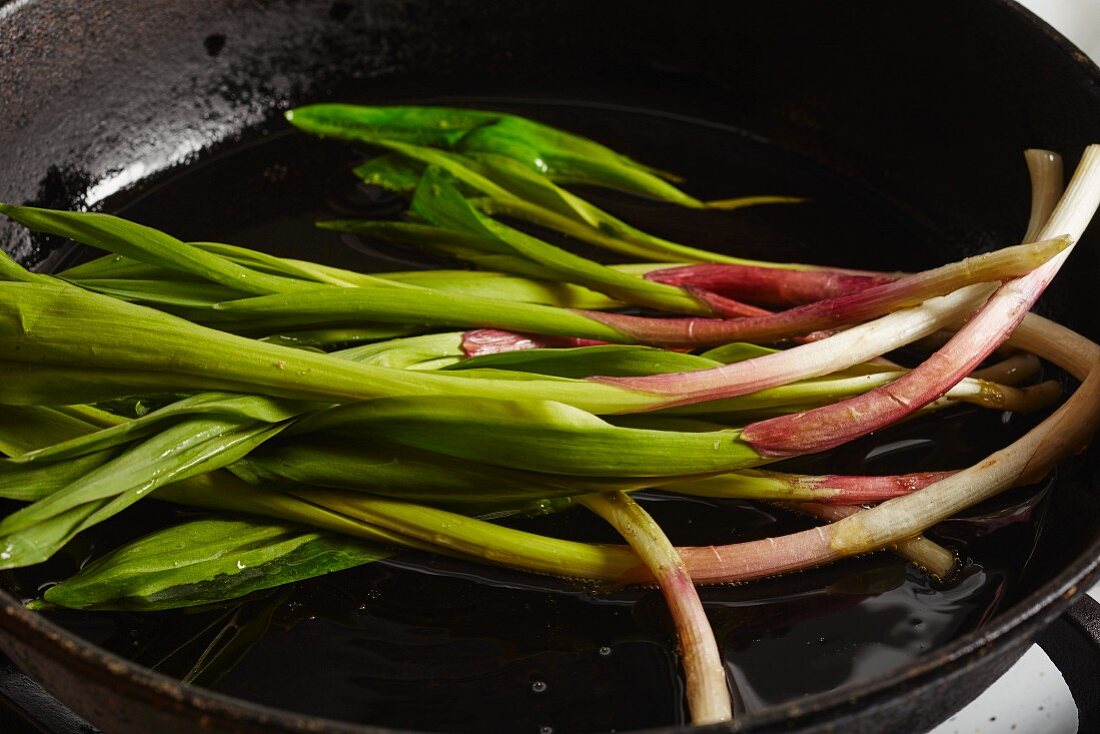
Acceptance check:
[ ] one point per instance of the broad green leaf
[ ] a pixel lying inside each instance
(207, 560)
(32, 483)
(48, 536)
(567, 158)
(425, 125)
(560, 155)
(192, 447)
(13, 271)
(28, 427)
(514, 188)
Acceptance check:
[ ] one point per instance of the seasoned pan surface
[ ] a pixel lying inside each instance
(100, 96)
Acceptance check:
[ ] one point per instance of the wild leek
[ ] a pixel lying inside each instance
(326, 417)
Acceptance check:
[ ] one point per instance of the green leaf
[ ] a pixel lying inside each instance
(11, 270)
(167, 295)
(533, 435)
(343, 308)
(32, 483)
(439, 202)
(48, 537)
(111, 267)
(515, 178)
(424, 125)
(429, 352)
(570, 159)
(139, 242)
(508, 288)
(560, 155)
(341, 462)
(189, 448)
(207, 560)
(25, 428)
(325, 339)
(314, 273)
(66, 345)
(237, 408)
(390, 171)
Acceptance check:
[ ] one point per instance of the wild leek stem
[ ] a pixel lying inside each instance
(705, 677)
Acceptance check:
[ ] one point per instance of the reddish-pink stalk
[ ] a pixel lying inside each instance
(832, 425)
(705, 678)
(829, 426)
(1025, 460)
(813, 359)
(755, 559)
(724, 306)
(767, 285)
(834, 312)
(930, 556)
(827, 489)
(858, 490)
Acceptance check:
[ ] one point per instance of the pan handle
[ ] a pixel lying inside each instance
(1072, 643)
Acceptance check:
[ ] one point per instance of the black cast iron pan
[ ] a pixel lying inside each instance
(95, 95)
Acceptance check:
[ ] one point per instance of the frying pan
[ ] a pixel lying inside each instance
(928, 103)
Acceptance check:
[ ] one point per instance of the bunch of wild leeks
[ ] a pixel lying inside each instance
(333, 405)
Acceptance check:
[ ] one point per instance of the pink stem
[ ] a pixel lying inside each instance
(858, 490)
(767, 285)
(707, 692)
(833, 312)
(930, 556)
(813, 359)
(831, 489)
(713, 564)
(832, 425)
(724, 306)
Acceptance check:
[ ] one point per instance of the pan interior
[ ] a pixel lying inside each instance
(915, 152)
(434, 645)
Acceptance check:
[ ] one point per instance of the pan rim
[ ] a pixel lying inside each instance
(1017, 623)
